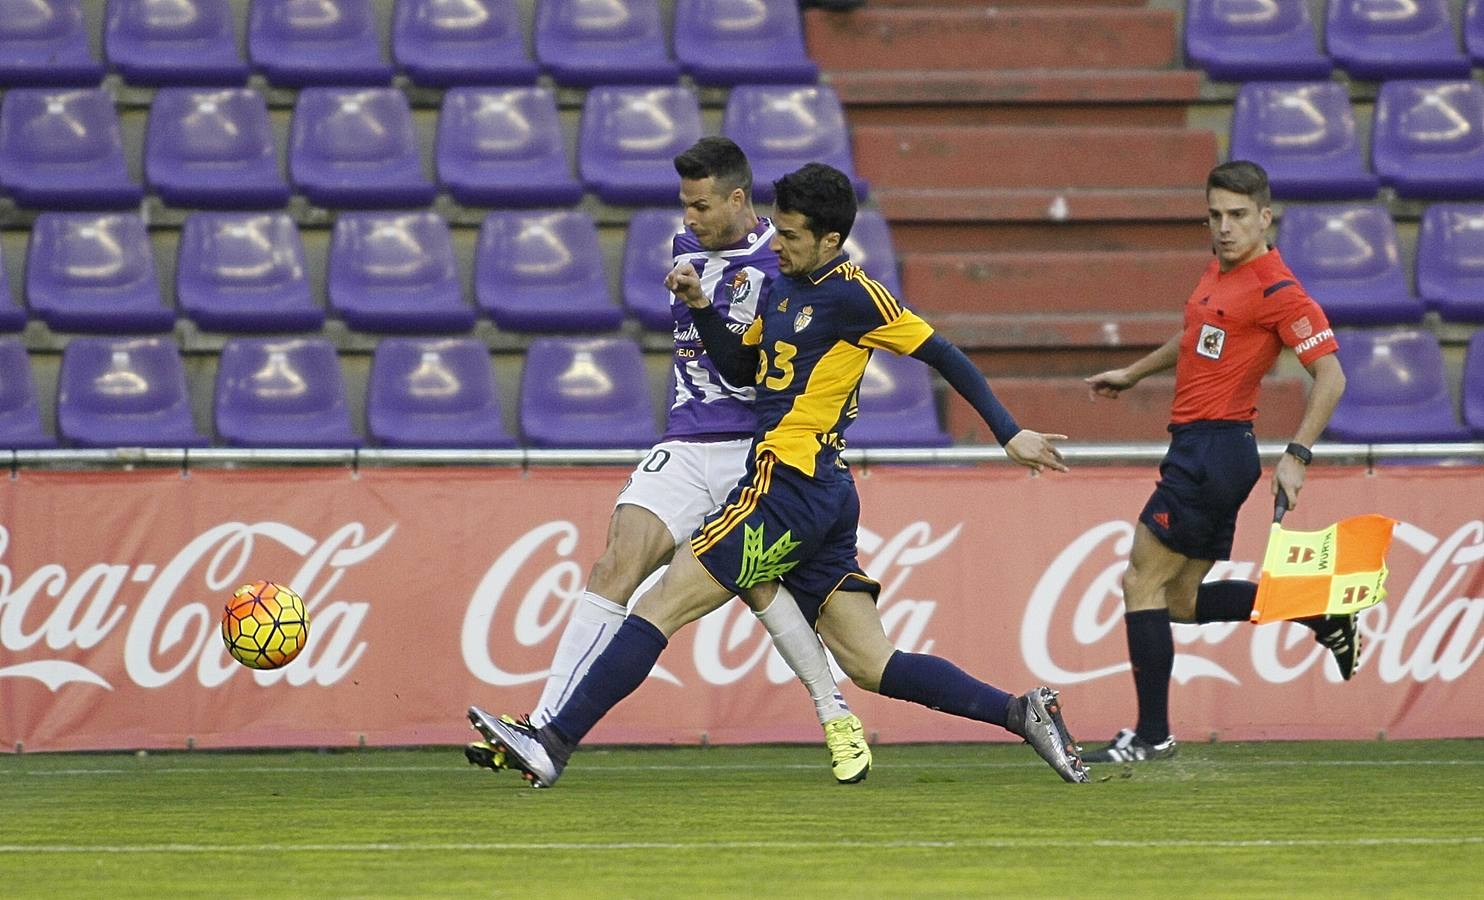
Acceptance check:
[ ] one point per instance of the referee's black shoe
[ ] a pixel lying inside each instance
(1129, 747)
(1341, 637)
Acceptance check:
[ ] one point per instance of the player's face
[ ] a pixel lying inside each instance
(1238, 228)
(799, 251)
(715, 216)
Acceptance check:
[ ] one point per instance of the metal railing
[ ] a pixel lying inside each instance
(223, 457)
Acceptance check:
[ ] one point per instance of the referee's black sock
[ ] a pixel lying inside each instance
(1151, 651)
(1225, 601)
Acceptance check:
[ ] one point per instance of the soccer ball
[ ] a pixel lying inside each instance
(264, 625)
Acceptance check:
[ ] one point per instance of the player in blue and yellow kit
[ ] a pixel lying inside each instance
(788, 530)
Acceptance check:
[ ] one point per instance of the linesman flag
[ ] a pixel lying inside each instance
(1337, 571)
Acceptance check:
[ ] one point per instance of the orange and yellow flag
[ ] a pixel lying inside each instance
(1337, 571)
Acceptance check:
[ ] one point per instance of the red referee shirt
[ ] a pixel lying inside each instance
(1235, 324)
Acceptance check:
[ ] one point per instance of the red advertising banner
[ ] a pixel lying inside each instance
(429, 589)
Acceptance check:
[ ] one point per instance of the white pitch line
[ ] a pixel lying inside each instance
(145, 768)
(967, 844)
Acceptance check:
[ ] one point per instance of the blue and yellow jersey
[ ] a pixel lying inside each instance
(815, 335)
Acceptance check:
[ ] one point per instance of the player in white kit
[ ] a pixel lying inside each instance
(700, 458)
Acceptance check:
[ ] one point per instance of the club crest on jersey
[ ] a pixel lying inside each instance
(741, 286)
(802, 320)
(1302, 328)
(1210, 342)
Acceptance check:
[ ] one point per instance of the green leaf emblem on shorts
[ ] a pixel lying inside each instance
(760, 565)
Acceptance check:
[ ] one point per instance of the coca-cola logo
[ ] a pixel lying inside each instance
(729, 644)
(1426, 630)
(51, 610)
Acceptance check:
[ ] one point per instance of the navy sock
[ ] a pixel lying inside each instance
(938, 684)
(1225, 601)
(1151, 650)
(616, 673)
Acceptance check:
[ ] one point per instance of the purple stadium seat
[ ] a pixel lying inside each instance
(630, 136)
(1347, 259)
(296, 43)
(20, 414)
(646, 260)
(1473, 30)
(442, 43)
(62, 149)
(1304, 136)
(357, 148)
(897, 408)
(504, 147)
(586, 393)
(582, 43)
(782, 128)
(1450, 261)
(543, 271)
(1428, 141)
(213, 149)
(241, 272)
(870, 247)
(125, 392)
(1473, 385)
(395, 271)
(1378, 39)
(1252, 39)
(282, 393)
(182, 42)
(12, 315)
(435, 393)
(95, 272)
(1396, 390)
(45, 43)
(729, 42)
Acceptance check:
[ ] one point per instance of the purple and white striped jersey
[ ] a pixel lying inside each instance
(705, 407)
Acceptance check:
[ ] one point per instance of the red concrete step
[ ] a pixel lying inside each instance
(1109, 97)
(980, 4)
(931, 37)
(1062, 405)
(939, 157)
(1042, 205)
(991, 331)
(1062, 282)
(1134, 231)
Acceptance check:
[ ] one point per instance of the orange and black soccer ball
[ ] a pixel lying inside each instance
(264, 625)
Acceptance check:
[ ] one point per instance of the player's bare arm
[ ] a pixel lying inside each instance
(1328, 387)
(1114, 381)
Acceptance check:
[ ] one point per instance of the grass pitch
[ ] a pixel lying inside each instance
(1311, 819)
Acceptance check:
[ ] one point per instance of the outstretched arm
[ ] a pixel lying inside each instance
(1028, 448)
(1110, 383)
(736, 362)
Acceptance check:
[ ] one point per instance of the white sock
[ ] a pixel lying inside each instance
(592, 625)
(800, 648)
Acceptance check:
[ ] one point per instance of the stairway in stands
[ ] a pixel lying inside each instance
(1043, 187)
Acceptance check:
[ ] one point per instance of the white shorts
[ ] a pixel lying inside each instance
(682, 481)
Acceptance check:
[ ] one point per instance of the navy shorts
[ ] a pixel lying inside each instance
(780, 524)
(1204, 479)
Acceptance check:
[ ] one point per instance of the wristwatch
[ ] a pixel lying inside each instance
(1300, 452)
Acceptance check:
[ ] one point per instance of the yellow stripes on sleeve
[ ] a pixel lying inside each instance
(745, 505)
(885, 302)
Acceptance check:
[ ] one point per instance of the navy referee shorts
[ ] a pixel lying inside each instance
(1204, 479)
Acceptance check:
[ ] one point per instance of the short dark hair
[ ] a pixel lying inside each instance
(822, 194)
(716, 157)
(1242, 177)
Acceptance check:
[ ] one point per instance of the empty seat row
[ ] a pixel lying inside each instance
(1369, 39)
(387, 272)
(1397, 390)
(436, 43)
(349, 147)
(1427, 141)
(435, 393)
